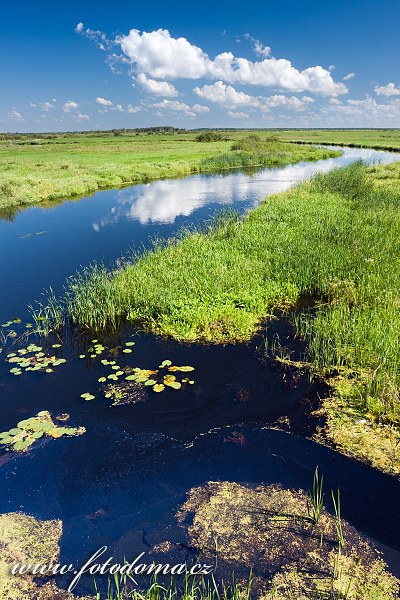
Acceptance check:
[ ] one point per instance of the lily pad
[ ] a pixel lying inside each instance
(165, 363)
(87, 396)
(175, 385)
(158, 387)
(29, 430)
(150, 382)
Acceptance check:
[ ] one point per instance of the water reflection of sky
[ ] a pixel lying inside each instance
(162, 202)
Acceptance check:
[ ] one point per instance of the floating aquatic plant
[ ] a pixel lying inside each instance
(32, 358)
(20, 438)
(123, 393)
(127, 391)
(96, 349)
(12, 322)
(87, 396)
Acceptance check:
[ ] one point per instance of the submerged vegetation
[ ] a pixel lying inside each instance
(334, 239)
(292, 555)
(261, 540)
(59, 167)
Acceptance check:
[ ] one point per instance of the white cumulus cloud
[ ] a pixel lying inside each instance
(225, 95)
(156, 88)
(199, 108)
(348, 76)
(14, 115)
(289, 102)
(70, 105)
(180, 107)
(46, 106)
(259, 48)
(387, 90)
(104, 102)
(161, 56)
(238, 115)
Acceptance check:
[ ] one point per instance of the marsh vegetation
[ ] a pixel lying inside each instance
(42, 169)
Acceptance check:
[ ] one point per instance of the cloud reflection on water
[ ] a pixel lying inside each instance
(162, 202)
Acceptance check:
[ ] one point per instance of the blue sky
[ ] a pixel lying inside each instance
(84, 65)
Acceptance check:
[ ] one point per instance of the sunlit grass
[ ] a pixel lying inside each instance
(186, 588)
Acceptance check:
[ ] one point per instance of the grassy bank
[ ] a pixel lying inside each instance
(335, 239)
(57, 167)
(379, 139)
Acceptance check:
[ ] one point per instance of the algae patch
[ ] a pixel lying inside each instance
(23, 539)
(268, 529)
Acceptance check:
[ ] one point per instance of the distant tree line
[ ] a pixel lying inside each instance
(91, 133)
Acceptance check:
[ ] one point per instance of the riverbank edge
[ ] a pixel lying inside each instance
(344, 145)
(148, 172)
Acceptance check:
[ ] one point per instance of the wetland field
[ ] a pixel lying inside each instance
(200, 363)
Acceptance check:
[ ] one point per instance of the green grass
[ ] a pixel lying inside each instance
(334, 238)
(186, 588)
(52, 168)
(385, 139)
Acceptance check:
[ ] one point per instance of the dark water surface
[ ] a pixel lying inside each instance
(121, 483)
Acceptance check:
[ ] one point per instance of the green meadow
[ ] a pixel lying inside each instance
(43, 168)
(385, 139)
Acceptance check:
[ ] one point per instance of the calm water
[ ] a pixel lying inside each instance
(121, 482)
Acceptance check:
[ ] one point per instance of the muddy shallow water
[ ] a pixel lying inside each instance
(121, 482)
